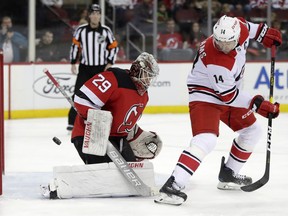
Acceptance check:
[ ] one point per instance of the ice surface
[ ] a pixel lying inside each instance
(31, 155)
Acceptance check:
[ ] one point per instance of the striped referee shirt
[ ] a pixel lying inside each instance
(97, 46)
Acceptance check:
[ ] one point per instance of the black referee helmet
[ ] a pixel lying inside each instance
(94, 7)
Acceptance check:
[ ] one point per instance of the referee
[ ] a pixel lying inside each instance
(95, 47)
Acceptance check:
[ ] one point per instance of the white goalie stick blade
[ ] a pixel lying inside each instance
(128, 172)
(163, 198)
(97, 131)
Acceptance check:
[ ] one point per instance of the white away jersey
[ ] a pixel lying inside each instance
(216, 76)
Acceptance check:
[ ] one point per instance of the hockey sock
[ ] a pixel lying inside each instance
(238, 157)
(186, 166)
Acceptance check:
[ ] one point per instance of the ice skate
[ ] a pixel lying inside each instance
(228, 180)
(47, 193)
(170, 193)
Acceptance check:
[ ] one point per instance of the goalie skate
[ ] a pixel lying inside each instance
(47, 193)
(228, 180)
(170, 193)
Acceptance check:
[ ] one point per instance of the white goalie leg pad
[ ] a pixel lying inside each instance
(97, 131)
(99, 180)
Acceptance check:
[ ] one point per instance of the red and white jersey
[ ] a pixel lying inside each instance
(114, 91)
(216, 76)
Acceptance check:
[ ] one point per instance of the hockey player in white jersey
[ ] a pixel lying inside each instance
(214, 96)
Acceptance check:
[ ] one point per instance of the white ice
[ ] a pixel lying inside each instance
(31, 154)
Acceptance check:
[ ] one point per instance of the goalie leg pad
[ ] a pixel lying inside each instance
(97, 131)
(99, 180)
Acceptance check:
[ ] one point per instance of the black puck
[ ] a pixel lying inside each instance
(56, 140)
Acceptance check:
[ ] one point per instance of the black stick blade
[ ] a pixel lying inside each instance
(256, 185)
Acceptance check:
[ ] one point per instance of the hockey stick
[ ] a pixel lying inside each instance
(265, 178)
(113, 153)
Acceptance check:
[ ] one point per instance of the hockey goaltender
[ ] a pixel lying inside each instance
(109, 106)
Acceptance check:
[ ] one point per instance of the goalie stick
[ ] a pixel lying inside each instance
(113, 153)
(265, 178)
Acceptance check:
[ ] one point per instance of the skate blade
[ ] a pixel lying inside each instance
(169, 199)
(228, 186)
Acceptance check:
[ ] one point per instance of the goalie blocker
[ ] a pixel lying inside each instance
(96, 180)
(97, 131)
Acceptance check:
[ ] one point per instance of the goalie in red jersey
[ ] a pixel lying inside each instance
(124, 94)
(109, 106)
(214, 96)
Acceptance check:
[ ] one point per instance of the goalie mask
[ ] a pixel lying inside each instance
(226, 33)
(144, 71)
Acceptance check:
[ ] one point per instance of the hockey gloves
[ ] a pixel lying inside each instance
(145, 144)
(263, 107)
(268, 36)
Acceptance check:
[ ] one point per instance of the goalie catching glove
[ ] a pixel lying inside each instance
(145, 144)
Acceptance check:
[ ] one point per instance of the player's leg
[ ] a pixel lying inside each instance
(205, 119)
(71, 119)
(120, 144)
(244, 123)
(87, 158)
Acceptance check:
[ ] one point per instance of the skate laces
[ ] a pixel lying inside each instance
(238, 176)
(176, 186)
(171, 183)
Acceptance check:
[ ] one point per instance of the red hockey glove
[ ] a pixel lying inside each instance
(268, 36)
(263, 107)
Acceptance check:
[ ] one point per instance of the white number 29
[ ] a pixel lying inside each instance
(101, 83)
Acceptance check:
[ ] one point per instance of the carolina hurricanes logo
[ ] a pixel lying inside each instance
(131, 117)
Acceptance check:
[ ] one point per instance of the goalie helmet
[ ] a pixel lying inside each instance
(144, 71)
(226, 33)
